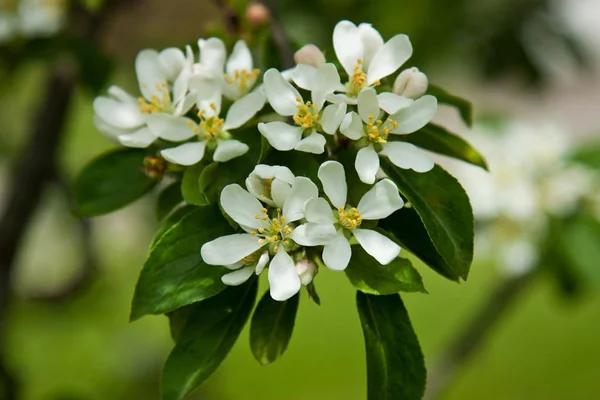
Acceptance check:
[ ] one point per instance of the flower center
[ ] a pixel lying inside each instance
(358, 80)
(376, 131)
(156, 103)
(243, 79)
(307, 115)
(210, 127)
(349, 218)
(276, 234)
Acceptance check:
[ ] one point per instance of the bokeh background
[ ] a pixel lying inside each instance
(536, 60)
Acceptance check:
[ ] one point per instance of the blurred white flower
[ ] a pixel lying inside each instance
(333, 228)
(405, 116)
(31, 18)
(310, 117)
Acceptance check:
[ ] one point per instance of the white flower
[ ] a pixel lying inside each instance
(125, 118)
(411, 83)
(212, 132)
(270, 184)
(309, 117)
(365, 57)
(406, 116)
(332, 228)
(236, 76)
(266, 233)
(31, 18)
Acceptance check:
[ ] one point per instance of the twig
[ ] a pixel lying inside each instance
(284, 47)
(37, 167)
(473, 335)
(230, 18)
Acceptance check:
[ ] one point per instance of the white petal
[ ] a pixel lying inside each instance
(185, 154)
(368, 106)
(372, 42)
(212, 55)
(118, 114)
(257, 189)
(237, 277)
(337, 252)
(108, 130)
(171, 61)
(169, 127)
(332, 117)
(280, 135)
(229, 149)
(122, 96)
(380, 201)
(141, 138)
(378, 246)
(280, 190)
(283, 279)
(240, 58)
(415, 116)
(303, 189)
(305, 76)
(327, 81)
(208, 91)
(389, 58)
(337, 98)
(281, 94)
(242, 207)
(318, 210)
(392, 103)
(180, 86)
(313, 143)
(333, 178)
(367, 164)
(407, 156)
(312, 234)
(149, 74)
(347, 45)
(233, 267)
(262, 262)
(352, 126)
(284, 174)
(243, 109)
(229, 249)
(185, 103)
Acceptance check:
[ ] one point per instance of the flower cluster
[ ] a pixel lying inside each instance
(283, 216)
(286, 225)
(31, 18)
(531, 182)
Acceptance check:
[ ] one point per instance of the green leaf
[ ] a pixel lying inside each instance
(579, 242)
(205, 339)
(395, 365)
(587, 154)
(168, 199)
(174, 274)
(271, 327)
(445, 211)
(111, 181)
(301, 164)
(465, 108)
(190, 186)
(408, 229)
(368, 276)
(439, 140)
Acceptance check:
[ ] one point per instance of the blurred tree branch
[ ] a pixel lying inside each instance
(37, 165)
(473, 334)
(280, 38)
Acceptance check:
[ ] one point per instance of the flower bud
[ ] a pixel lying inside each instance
(309, 54)
(155, 166)
(411, 83)
(306, 271)
(257, 14)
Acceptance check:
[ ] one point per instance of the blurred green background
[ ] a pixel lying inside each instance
(83, 348)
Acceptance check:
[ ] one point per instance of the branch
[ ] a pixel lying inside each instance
(284, 47)
(230, 18)
(37, 167)
(474, 334)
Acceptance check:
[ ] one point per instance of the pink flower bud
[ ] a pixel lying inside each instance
(306, 271)
(309, 54)
(411, 83)
(257, 14)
